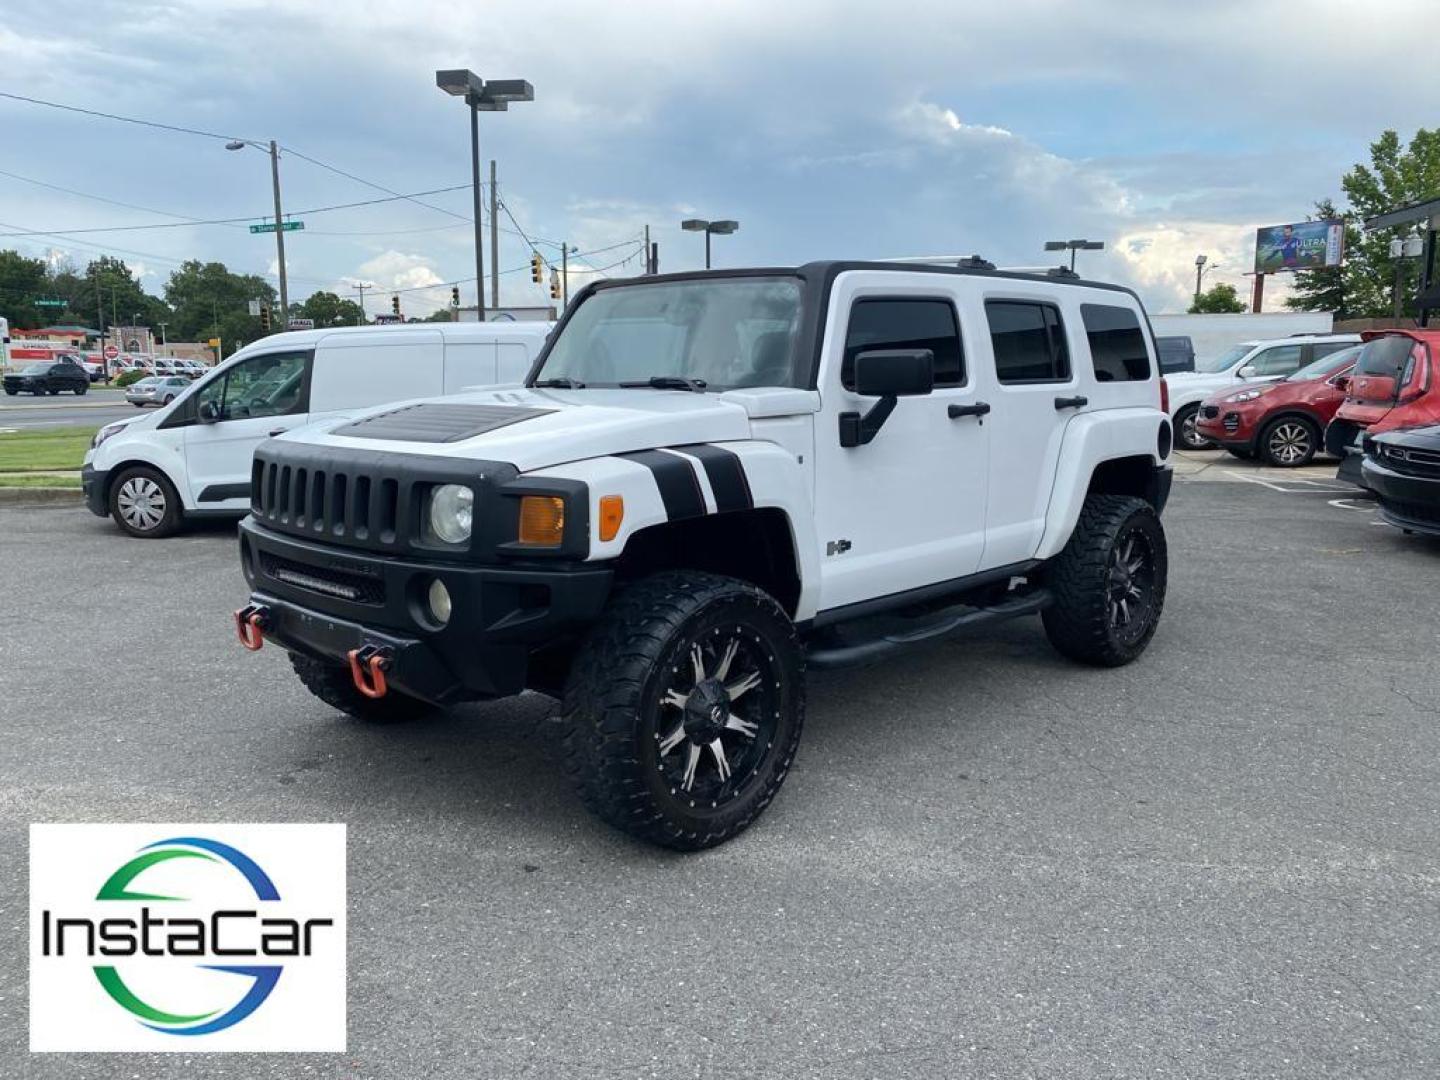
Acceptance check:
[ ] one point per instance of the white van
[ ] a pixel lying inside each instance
(192, 457)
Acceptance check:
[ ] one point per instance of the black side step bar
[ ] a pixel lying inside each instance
(842, 655)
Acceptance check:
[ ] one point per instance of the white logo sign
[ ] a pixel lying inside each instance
(187, 938)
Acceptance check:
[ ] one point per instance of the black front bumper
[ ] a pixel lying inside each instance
(1410, 502)
(93, 482)
(324, 601)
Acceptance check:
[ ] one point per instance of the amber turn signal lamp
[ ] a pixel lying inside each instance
(542, 520)
(612, 513)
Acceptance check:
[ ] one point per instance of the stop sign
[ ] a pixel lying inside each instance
(111, 352)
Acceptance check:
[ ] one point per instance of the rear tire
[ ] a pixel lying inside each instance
(331, 683)
(80, 390)
(1108, 582)
(683, 709)
(1289, 442)
(144, 503)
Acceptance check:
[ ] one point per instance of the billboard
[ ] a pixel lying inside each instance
(1305, 245)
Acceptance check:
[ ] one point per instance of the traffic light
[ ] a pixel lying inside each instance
(536, 267)
(395, 304)
(265, 317)
(455, 296)
(554, 284)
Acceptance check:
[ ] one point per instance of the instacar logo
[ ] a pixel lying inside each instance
(184, 943)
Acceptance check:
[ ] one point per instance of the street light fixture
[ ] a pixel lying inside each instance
(1074, 246)
(494, 96)
(709, 228)
(274, 151)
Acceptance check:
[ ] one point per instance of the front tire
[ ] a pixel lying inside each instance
(683, 709)
(331, 683)
(1108, 582)
(144, 503)
(1186, 432)
(1289, 442)
(81, 389)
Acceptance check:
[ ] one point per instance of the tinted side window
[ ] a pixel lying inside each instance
(1117, 344)
(1325, 348)
(905, 324)
(1029, 341)
(1278, 360)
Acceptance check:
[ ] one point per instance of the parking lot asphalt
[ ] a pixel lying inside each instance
(1220, 861)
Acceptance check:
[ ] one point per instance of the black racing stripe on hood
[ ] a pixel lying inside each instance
(437, 422)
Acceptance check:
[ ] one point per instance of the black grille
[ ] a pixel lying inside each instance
(332, 503)
(356, 588)
(1410, 459)
(1209, 412)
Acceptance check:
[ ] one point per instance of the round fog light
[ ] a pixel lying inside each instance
(439, 600)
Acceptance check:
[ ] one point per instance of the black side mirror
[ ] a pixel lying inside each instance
(886, 374)
(209, 412)
(894, 372)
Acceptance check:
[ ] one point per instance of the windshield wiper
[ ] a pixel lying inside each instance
(668, 382)
(562, 383)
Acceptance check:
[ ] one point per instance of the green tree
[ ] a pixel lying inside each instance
(327, 309)
(22, 282)
(443, 314)
(121, 295)
(208, 301)
(1397, 175)
(1219, 299)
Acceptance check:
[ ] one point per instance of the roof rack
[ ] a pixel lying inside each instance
(964, 262)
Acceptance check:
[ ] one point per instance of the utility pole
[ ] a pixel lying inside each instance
(100, 324)
(494, 239)
(360, 287)
(564, 275)
(279, 231)
(648, 268)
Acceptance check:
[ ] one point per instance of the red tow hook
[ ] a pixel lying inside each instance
(368, 665)
(250, 626)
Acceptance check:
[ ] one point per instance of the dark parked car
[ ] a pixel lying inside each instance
(1177, 353)
(47, 378)
(1402, 468)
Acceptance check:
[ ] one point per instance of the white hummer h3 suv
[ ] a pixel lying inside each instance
(708, 482)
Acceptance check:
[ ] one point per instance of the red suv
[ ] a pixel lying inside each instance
(1281, 422)
(1393, 386)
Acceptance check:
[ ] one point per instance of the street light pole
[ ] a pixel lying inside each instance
(1200, 261)
(709, 228)
(479, 239)
(1074, 246)
(279, 231)
(479, 95)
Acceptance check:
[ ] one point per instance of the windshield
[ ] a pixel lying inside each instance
(726, 332)
(1317, 369)
(1224, 361)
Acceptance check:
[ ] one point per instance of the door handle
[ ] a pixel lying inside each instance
(278, 431)
(979, 409)
(1076, 402)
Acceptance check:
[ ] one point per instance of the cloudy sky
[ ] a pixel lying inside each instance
(841, 129)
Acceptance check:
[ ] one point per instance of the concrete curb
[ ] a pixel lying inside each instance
(41, 496)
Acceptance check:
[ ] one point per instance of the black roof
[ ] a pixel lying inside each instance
(826, 270)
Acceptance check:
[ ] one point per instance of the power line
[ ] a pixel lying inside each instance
(371, 183)
(125, 119)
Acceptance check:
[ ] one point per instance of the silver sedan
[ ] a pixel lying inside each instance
(156, 390)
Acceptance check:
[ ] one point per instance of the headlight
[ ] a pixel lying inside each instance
(105, 433)
(452, 512)
(1245, 395)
